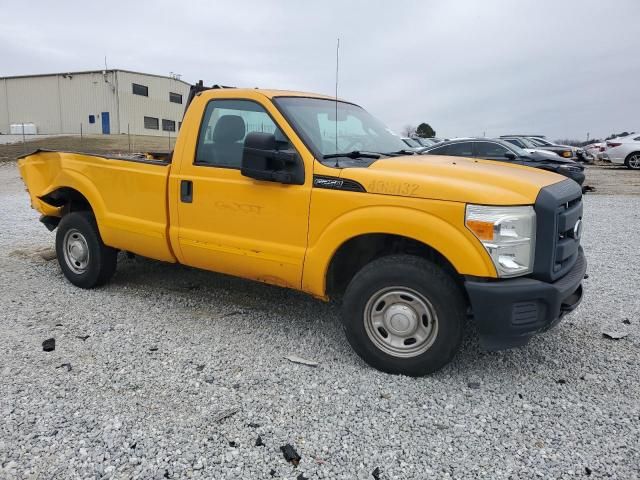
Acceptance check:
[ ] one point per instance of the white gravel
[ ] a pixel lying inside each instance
(171, 350)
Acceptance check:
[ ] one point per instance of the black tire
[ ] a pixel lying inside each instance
(420, 278)
(632, 161)
(98, 266)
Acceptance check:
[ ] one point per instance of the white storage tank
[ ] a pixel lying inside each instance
(26, 128)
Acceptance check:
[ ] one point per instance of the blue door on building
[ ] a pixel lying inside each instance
(106, 127)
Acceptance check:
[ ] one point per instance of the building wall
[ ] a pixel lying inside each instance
(33, 99)
(84, 95)
(4, 112)
(133, 108)
(65, 103)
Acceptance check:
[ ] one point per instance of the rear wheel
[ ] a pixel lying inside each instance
(83, 258)
(403, 314)
(633, 161)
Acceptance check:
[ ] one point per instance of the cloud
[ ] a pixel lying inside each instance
(557, 68)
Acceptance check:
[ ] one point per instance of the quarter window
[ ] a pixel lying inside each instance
(151, 123)
(168, 125)
(140, 89)
(439, 151)
(490, 149)
(224, 127)
(175, 98)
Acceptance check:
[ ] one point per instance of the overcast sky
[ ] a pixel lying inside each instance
(560, 68)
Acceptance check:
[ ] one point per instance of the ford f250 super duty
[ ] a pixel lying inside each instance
(306, 192)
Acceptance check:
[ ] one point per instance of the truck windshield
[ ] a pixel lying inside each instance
(315, 120)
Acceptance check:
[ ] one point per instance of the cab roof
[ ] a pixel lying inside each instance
(270, 93)
(292, 93)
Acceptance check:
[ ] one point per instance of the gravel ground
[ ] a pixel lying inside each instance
(610, 179)
(160, 355)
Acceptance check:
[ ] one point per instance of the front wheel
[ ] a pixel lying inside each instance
(83, 258)
(403, 314)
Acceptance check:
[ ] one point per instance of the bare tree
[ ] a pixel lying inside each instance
(408, 131)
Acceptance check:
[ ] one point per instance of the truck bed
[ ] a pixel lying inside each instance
(128, 195)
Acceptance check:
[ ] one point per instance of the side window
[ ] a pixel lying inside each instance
(439, 151)
(489, 149)
(224, 127)
(462, 149)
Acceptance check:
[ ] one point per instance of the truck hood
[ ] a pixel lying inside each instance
(455, 179)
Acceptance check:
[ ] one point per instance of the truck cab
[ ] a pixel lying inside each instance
(312, 193)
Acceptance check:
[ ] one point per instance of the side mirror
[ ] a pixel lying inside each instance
(510, 155)
(263, 160)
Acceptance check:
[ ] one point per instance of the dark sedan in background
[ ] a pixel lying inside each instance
(502, 151)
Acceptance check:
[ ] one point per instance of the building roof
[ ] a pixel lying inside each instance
(93, 71)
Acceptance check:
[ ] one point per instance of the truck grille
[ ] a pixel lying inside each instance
(559, 226)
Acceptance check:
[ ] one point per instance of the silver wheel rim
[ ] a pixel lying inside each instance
(634, 161)
(401, 322)
(76, 251)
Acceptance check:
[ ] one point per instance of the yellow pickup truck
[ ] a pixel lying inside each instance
(306, 192)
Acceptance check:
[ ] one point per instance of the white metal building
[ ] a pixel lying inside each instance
(98, 102)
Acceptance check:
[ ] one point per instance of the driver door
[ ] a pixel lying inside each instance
(233, 224)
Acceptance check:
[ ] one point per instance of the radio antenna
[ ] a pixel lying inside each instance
(336, 120)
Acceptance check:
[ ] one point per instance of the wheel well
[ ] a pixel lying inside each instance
(626, 160)
(70, 199)
(358, 251)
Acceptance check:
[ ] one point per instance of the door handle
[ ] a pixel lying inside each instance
(186, 191)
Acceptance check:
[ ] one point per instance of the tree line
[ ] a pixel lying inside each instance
(581, 143)
(423, 130)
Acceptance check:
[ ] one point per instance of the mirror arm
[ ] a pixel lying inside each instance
(284, 156)
(281, 177)
(269, 175)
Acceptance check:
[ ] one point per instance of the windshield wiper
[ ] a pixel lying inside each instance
(400, 152)
(354, 154)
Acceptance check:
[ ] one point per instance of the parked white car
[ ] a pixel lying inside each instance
(625, 151)
(596, 149)
(593, 148)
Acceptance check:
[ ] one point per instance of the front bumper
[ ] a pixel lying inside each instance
(509, 312)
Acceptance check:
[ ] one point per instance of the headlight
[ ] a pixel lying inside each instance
(567, 154)
(508, 235)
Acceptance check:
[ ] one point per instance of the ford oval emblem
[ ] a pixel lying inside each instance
(577, 229)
